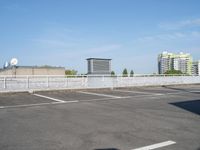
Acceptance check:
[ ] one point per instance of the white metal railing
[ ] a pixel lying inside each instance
(41, 82)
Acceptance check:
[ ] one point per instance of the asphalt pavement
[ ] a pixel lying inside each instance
(160, 118)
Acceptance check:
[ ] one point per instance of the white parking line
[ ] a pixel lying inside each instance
(38, 104)
(155, 94)
(104, 99)
(175, 93)
(155, 146)
(194, 91)
(138, 92)
(98, 94)
(54, 99)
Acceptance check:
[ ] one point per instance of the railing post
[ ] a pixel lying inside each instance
(86, 81)
(27, 82)
(117, 81)
(67, 81)
(103, 78)
(82, 81)
(48, 81)
(4, 85)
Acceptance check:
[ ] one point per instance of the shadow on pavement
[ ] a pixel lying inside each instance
(192, 106)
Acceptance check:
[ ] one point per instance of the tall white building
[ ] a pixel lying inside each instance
(196, 68)
(199, 68)
(170, 61)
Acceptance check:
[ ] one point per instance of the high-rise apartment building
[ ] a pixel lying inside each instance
(199, 67)
(170, 61)
(196, 68)
(164, 62)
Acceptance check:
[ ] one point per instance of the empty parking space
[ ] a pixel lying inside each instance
(89, 95)
(117, 92)
(70, 95)
(181, 89)
(17, 99)
(119, 119)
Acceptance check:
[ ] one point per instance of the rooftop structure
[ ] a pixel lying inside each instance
(99, 66)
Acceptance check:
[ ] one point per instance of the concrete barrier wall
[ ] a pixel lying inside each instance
(26, 83)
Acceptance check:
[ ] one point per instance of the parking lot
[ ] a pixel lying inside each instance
(141, 118)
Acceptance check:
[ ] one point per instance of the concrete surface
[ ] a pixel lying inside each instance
(140, 117)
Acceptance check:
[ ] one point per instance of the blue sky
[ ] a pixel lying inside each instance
(66, 32)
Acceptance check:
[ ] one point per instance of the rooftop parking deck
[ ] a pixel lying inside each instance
(131, 118)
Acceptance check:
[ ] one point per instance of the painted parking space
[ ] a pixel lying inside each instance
(153, 90)
(61, 97)
(17, 99)
(92, 95)
(118, 92)
(69, 95)
(66, 96)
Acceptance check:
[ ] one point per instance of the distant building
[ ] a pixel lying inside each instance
(196, 68)
(170, 61)
(99, 66)
(32, 70)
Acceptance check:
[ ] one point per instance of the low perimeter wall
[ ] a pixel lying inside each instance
(27, 83)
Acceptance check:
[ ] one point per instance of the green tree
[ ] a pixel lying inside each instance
(70, 72)
(112, 73)
(131, 73)
(125, 73)
(173, 72)
(46, 66)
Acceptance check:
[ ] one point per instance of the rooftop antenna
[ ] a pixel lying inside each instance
(6, 65)
(13, 62)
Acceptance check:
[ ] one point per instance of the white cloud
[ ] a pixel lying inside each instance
(174, 42)
(95, 51)
(53, 44)
(105, 48)
(50, 42)
(180, 24)
(171, 36)
(56, 38)
(195, 34)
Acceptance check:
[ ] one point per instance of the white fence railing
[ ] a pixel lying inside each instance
(26, 83)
